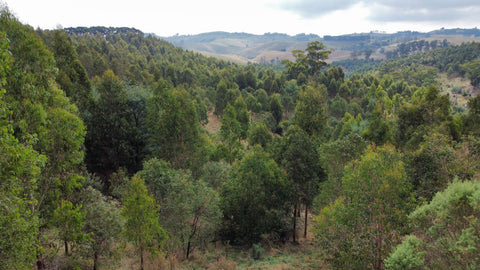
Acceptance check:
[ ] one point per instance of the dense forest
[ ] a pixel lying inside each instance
(121, 151)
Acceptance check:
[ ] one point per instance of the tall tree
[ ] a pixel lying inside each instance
(360, 228)
(20, 166)
(40, 110)
(173, 126)
(311, 111)
(299, 156)
(257, 200)
(141, 215)
(103, 224)
(114, 137)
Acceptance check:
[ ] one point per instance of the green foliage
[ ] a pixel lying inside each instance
(298, 155)
(20, 166)
(310, 63)
(472, 119)
(259, 134)
(173, 126)
(359, 229)
(334, 156)
(114, 137)
(445, 230)
(311, 111)
(231, 133)
(141, 219)
(72, 76)
(42, 118)
(406, 255)
(276, 107)
(257, 251)
(432, 166)
(191, 214)
(243, 117)
(103, 224)
(190, 209)
(69, 219)
(257, 200)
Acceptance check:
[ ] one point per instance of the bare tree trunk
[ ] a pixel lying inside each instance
(95, 260)
(306, 222)
(142, 261)
(66, 248)
(294, 223)
(188, 249)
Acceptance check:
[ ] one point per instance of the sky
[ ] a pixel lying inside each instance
(188, 17)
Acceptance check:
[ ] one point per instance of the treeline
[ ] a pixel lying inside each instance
(104, 147)
(461, 60)
(408, 48)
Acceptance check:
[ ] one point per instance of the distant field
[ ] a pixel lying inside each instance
(243, 48)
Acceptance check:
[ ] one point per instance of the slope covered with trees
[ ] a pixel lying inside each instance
(105, 157)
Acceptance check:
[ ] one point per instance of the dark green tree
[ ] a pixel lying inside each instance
(257, 199)
(298, 155)
(276, 107)
(173, 126)
(259, 134)
(113, 134)
(311, 111)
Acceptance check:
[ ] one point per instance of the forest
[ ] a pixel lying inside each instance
(119, 150)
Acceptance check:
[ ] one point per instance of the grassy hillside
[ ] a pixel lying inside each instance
(271, 48)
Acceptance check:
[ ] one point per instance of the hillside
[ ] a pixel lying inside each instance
(271, 48)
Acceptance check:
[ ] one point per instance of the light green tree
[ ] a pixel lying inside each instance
(103, 224)
(141, 215)
(359, 229)
(445, 232)
(20, 166)
(69, 219)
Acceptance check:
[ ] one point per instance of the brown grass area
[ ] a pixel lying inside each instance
(214, 122)
(448, 84)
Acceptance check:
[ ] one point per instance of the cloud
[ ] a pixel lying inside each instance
(423, 11)
(391, 10)
(315, 8)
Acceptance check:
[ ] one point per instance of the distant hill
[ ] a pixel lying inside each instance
(266, 48)
(271, 48)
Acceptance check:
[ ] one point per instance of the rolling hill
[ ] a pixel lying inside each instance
(271, 48)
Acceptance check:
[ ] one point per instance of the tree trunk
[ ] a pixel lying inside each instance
(40, 263)
(95, 260)
(188, 249)
(142, 261)
(294, 223)
(66, 248)
(306, 222)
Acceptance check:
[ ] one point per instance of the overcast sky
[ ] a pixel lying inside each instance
(321, 17)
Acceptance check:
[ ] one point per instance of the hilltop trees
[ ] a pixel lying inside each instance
(307, 64)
